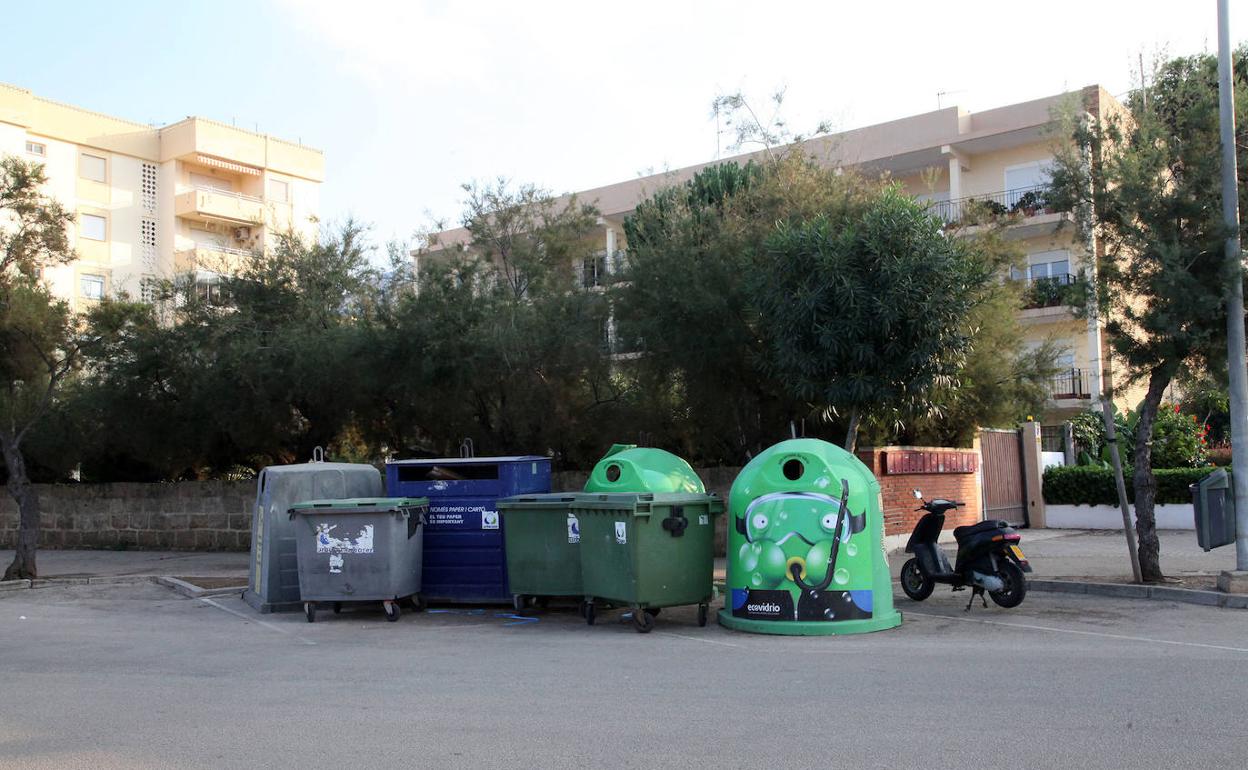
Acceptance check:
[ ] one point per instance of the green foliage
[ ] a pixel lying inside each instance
(1178, 440)
(864, 310)
(1079, 485)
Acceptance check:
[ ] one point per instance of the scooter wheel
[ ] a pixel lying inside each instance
(1015, 585)
(914, 583)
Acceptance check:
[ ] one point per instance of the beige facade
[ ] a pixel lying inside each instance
(951, 158)
(193, 197)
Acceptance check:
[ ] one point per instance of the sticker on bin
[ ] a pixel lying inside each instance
(335, 564)
(489, 519)
(574, 529)
(327, 543)
(703, 519)
(621, 532)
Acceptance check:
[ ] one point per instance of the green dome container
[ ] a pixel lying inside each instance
(629, 468)
(805, 551)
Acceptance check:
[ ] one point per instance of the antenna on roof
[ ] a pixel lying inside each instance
(941, 94)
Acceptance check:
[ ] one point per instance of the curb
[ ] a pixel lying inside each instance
(1135, 591)
(195, 592)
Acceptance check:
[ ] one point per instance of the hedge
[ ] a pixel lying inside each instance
(1086, 485)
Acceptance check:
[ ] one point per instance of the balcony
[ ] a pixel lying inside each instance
(1005, 207)
(215, 260)
(596, 270)
(1054, 291)
(1069, 384)
(209, 205)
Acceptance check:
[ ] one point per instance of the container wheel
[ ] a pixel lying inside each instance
(589, 613)
(309, 611)
(543, 602)
(337, 607)
(392, 611)
(643, 621)
(703, 609)
(518, 602)
(421, 602)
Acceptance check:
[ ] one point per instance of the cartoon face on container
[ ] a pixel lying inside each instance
(797, 550)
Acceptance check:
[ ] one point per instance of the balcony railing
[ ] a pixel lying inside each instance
(230, 193)
(1052, 291)
(597, 268)
(1069, 383)
(980, 209)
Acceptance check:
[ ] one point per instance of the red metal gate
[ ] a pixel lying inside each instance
(1005, 491)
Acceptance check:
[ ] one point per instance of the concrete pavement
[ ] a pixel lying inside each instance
(134, 676)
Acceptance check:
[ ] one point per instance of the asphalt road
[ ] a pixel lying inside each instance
(135, 676)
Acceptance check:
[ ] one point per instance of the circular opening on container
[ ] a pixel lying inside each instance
(613, 472)
(793, 469)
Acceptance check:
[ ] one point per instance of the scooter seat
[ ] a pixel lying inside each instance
(962, 533)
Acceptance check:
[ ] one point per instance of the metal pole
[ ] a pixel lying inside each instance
(1234, 291)
(1128, 528)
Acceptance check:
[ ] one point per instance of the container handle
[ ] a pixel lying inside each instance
(676, 523)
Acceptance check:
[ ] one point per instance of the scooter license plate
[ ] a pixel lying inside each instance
(1018, 553)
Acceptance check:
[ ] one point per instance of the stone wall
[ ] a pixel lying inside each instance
(200, 516)
(216, 515)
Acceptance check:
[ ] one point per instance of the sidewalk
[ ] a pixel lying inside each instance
(80, 564)
(1068, 553)
(1053, 553)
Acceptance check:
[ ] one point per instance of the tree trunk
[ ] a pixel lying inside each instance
(851, 434)
(20, 489)
(1143, 480)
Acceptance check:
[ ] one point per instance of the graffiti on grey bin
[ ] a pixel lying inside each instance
(326, 542)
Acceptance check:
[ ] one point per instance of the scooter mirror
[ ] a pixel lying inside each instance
(918, 495)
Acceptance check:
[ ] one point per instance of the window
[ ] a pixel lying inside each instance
(92, 167)
(1053, 265)
(279, 191)
(37, 148)
(91, 286)
(1028, 175)
(93, 227)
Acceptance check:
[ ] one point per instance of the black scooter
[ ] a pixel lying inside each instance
(989, 558)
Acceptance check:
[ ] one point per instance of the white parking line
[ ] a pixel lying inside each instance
(700, 639)
(1124, 637)
(250, 619)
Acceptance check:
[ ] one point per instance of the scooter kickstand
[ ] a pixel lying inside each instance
(976, 591)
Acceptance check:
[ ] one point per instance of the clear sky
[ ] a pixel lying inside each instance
(410, 99)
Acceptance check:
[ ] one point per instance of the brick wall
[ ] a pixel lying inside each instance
(201, 516)
(897, 489)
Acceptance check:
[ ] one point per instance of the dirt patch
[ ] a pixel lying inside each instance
(1199, 582)
(215, 582)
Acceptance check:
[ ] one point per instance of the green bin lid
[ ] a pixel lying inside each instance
(360, 505)
(643, 502)
(629, 468)
(547, 500)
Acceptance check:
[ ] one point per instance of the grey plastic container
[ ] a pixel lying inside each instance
(1213, 502)
(360, 550)
(273, 582)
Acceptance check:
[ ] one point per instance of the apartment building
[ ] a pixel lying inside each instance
(965, 165)
(187, 199)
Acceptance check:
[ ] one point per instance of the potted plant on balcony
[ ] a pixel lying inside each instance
(1031, 203)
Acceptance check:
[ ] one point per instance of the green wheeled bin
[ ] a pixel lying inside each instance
(804, 545)
(543, 545)
(360, 550)
(647, 551)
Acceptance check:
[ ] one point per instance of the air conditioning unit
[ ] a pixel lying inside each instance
(242, 233)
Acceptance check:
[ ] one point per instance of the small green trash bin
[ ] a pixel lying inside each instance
(360, 549)
(647, 551)
(630, 468)
(543, 538)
